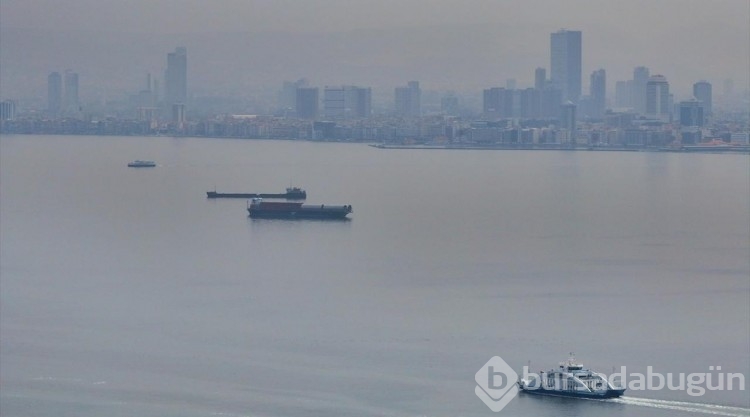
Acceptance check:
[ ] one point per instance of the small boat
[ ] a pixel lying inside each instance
(570, 379)
(257, 208)
(141, 164)
(292, 193)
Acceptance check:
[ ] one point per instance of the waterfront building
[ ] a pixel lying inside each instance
(598, 93)
(624, 94)
(288, 93)
(550, 101)
(71, 101)
(178, 115)
(692, 113)
(540, 78)
(347, 102)
(7, 110)
(640, 81)
(565, 63)
(530, 106)
(175, 78)
(702, 91)
(657, 98)
(497, 102)
(568, 120)
(409, 100)
(54, 93)
(306, 102)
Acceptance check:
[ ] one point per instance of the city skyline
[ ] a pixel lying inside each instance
(453, 49)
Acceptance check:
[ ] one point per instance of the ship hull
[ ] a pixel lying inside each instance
(610, 393)
(303, 213)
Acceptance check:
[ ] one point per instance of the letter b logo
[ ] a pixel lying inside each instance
(496, 383)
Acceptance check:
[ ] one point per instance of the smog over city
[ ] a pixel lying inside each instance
(247, 48)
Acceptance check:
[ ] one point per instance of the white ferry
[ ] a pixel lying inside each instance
(571, 379)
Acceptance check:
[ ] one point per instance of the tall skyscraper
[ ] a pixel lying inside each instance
(306, 102)
(598, 92)
(54, 93)
(176, 77)
(71, 92)
(409, 100)
(703, 92)
(640, 79)
(657, 98)
(540, 78)
(565, 63)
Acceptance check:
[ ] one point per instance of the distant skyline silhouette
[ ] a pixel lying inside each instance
(241, 47)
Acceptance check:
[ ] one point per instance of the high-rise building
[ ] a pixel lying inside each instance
(71, 92)
(178, 115)
(550, 101)
(540, 78)
(7, 110)
(288, 94)
(497, 102)
(624, 94)
(568, 120)
(702, 92)
(565, 63)
(176, 77)
(347, 102)
(640, 79)
(530, 105)
(657, 98)
(692, 113)
(145, 97)
(598, 93)
(306, 102)
(54, 93)
(362, 102)
(409, 100)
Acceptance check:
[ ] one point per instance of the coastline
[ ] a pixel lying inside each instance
(741, 149)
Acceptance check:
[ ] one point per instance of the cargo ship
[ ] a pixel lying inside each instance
(292, 193)
(294, 210)
(570, 379)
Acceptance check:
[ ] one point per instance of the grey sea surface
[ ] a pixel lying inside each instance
(127, 292)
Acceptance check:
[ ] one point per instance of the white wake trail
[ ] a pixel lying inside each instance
(702, 408)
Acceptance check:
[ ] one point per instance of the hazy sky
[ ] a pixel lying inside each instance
(478, 43)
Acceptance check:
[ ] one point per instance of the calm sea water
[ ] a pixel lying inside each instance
(126, 292)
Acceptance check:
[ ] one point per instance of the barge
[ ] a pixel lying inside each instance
(292, 193)
(257, 208)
